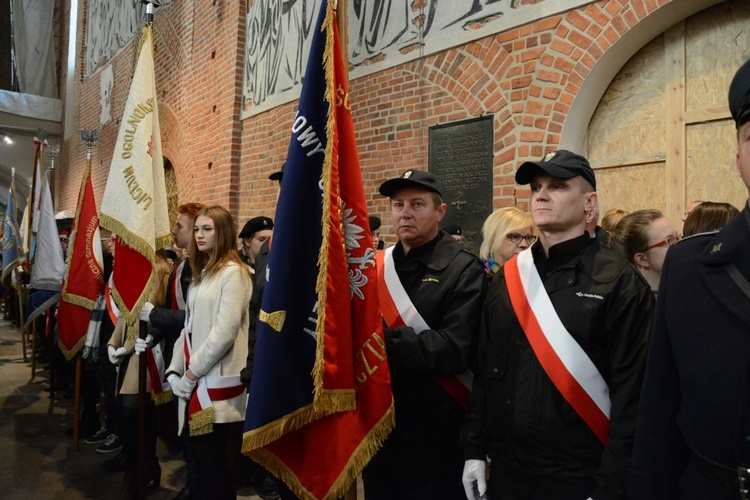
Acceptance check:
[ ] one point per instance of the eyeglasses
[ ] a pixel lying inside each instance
(669, 241)
(516, 238)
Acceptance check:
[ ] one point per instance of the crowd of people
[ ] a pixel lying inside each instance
(580, 361)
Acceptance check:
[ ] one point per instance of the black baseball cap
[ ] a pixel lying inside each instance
(254, 225)
(279, 174)
(739, 95)
(411, 179)
(561, 164)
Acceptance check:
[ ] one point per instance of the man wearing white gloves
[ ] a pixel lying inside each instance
(562, 352)
(166, 322)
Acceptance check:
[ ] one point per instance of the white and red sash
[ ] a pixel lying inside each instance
(398, 310)
(208, 389)
(177, 300)
(154, 357)
(563, 359)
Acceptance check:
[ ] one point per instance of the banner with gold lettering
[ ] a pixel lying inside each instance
(320, 402)
(134, 205)
(84, 275)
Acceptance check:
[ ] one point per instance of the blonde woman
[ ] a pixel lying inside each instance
(506, 232)
(211, 351)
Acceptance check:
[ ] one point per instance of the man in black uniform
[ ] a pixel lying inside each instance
(431, 293)
(562, 352)
(693, 434)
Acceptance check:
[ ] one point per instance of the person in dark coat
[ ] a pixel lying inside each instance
(693, 434)
(562, 353)
(167, 321)
(428, 358)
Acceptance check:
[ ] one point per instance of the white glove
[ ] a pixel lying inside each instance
(145, 311)
(475, 479)
(185, 386)
(142, 345)
(174, 383)
(116, 355)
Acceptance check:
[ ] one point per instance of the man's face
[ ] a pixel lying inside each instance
(253, 243)
(183, 230)
(559, 205)
(689, 209)
(375, 239)
(743, 154)
(415, 217)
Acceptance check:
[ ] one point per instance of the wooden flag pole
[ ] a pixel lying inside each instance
(143, 330)
(77, 404)
(342, 19)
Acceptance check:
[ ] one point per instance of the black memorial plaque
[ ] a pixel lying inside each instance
(461, 157)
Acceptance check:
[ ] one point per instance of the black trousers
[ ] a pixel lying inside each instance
(403, 472)
(216, 455)
(506, 487)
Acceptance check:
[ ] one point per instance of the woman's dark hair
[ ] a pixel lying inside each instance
(709, 216)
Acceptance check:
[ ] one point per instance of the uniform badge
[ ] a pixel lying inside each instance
(407, 174)
(550, 155)
(717, 248)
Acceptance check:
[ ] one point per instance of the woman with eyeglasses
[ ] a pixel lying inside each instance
(506, 232)
(643, 238)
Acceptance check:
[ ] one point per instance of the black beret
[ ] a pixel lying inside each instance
(560, 164)
(453, 229)
(739, 95)
(410, 179)
(254, 225)
(374, 223)
(279, 174)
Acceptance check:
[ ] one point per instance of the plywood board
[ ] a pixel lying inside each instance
(630, 118)
(717, 40)
(711, 171)
(631, 188)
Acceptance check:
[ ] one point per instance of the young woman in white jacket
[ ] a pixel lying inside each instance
(211, 351)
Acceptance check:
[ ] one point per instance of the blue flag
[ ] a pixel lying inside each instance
(10, 234)
(321, 384)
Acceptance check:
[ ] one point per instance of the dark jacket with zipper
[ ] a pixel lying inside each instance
(516, 414)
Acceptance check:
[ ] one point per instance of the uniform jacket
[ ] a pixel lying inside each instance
(219, 334)
(518, 417)
(446, 285)
(165, 323)
(259, 284)
(697, 390)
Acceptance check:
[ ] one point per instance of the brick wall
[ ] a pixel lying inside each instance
(526, 78)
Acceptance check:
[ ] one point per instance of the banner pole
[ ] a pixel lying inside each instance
(342, 19)
(142, 332)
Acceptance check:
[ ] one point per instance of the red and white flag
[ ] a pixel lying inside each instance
(84, 274)
(134, 205)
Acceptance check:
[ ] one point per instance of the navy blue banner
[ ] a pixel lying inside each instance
(282, 382)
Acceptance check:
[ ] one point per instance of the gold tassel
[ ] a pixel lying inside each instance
(202, 422)
(162, 397)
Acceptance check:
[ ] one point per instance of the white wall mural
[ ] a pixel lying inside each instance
(110, 25)
(382, 34)
(106, 85)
